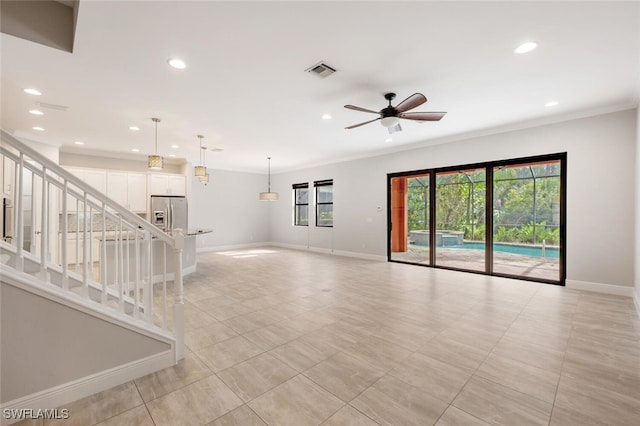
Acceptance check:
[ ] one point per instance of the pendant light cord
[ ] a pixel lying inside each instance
(269, 177)
(155, 120)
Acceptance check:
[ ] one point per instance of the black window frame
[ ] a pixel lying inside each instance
(489, 167)
(320, 184)
(296, 204)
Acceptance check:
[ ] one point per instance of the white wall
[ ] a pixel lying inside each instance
(102, 162)
(47, 344)
(600, 192)
(637, 211)
(230, 206)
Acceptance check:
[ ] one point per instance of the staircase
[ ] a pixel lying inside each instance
(111, 283)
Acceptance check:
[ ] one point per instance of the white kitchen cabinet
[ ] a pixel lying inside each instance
(8, 176)
(97, 179)
(93, 177)
(117, 187)
(137, 192)
(72, 205)
(177, 185)
(167, 184)
(128, 189)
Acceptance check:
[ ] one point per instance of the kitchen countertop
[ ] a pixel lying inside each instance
(198, 231)
(190, 233)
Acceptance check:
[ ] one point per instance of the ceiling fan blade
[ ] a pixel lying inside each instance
(422, 116)
(362, 124)
(396, 128)
(356, 108)
(411, 102)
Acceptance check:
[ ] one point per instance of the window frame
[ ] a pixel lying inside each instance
(296, 204)
(489, 167)
(322, 184)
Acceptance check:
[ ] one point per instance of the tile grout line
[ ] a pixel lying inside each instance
(487, 356)
(564, 356)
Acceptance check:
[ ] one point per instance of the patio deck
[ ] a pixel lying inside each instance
(473, 259)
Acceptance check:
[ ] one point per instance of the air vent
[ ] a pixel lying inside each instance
(321, 69)
(53, 106)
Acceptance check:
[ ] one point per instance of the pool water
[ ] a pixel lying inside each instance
(533, 251)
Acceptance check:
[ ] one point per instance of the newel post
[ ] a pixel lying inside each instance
(178, 306)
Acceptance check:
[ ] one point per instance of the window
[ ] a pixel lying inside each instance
(301, 204)
(324, 202)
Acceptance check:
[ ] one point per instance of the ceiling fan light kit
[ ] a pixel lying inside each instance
(389, 121)
(390, 116)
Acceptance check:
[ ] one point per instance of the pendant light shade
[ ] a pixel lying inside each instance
(269, 196)
(200, 170)
(155, 161)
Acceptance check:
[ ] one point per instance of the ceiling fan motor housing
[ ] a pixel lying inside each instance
(389, 117)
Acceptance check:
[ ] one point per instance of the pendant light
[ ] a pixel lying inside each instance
(200, 170)
(155, 161)
(205, 178)
(269, 196)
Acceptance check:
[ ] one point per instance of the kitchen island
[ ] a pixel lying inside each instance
(124, 252)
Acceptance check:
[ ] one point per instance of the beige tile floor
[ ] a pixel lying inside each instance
(282, 337)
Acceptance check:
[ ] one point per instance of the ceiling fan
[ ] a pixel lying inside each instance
(390, 116)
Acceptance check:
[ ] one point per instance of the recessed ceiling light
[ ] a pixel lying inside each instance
(38, 128)
(551, 103)
(175, 146)
(135, 150)
(134, 128)
(526, 47)
(32, 91)
(36, 112)
(326, 116)
(172, 155)
(79, 143)
(177, 63)
(388, 140)
(216, 149)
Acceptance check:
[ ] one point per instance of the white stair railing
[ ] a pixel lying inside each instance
(71, 235)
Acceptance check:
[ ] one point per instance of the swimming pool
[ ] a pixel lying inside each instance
(551, 252)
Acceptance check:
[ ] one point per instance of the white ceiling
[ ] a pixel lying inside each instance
(246, 91)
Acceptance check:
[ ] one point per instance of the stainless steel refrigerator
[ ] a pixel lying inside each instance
(169, 212)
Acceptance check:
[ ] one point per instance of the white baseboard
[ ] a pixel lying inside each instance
(617, 290)
(60, 395)
(294, 247)
(364, 256)
(344, 253)
(230, 247)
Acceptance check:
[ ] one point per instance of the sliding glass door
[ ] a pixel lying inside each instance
(501, 218)
(460, 219)
(410, 215)
(526, 220)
